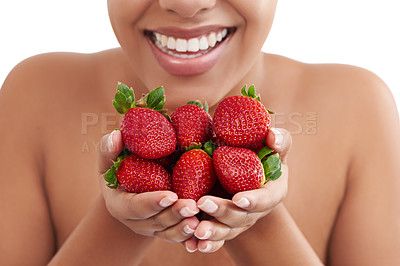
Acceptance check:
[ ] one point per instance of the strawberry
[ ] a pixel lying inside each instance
(240, 169)
(192, 124)
(241, 121)
(137, 175)
(256, 147)
(145, 131)
(193, 175)
(169, 161)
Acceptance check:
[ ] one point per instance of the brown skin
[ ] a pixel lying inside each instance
(342, 205)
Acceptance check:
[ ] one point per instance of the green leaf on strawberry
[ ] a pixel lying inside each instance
(209, 147)
(199, 104)
(124, 98)
(271, 163)
(264, 152)
(156, 99)
(272, 167)
(251, 92)
(111, 174)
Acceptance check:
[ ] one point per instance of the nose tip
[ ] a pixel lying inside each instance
(186, 8)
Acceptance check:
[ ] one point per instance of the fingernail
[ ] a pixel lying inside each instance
(189, 249)
(206, 235)
(188, 230)
(209, 206)
(110, 143)
(278, 137)
(242, 203)
(166, 202)
(207, 249)
(186, 212)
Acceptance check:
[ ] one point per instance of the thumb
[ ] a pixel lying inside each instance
(280, 140)
(109, 147)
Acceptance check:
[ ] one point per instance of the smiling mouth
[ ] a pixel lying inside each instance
(187, 48)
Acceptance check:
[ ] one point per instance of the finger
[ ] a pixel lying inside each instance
(280, 140)
(191, 244)
(179, 232)
(215, 231)
(108, 149)
(138, 206)
(225, 211)
(264, 198)
(181, 209)
(207, 246)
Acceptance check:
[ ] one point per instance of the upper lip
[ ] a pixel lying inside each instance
(187, 33)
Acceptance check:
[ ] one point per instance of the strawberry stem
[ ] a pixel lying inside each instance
(125, 99)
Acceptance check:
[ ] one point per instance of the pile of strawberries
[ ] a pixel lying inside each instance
(190, 152)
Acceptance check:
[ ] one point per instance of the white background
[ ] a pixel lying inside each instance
(365, 33)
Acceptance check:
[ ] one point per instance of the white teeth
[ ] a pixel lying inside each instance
(219, 36)
(202, 43)
(181, 45)
(224, 33)
(193, 45)
(171, 43)
(164, 40)
(212, 39)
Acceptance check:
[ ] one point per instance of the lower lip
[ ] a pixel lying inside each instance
(189, 66)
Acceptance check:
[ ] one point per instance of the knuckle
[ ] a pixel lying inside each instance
(134, 212)
(221, 212)
(166, 235)
(157, 223)
(246, 221)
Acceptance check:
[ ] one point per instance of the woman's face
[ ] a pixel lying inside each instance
(197, 49)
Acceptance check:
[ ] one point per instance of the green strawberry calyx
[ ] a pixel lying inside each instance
(200, 104)
(208, 147)
(251, 92)
(111, 174)
(271, 163)
(124, 99)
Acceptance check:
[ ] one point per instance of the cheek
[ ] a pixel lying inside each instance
(256, 13)
(259, 16)
(255, 9)
(125, 13)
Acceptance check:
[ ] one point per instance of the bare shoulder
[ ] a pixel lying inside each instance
(329, 82)
(55, 80)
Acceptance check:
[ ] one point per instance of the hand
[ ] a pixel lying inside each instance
(232, 217)
(158, 213)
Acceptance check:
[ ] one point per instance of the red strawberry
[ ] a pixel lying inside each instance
(238, 169)
(256, 147)
(192, 124)
(137, 175)
(241, 121)
(145, 131)
(219, 191)
(148, 133)
(169, 161)
(193, 175)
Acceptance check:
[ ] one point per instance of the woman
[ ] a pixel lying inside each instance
(342, 202)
